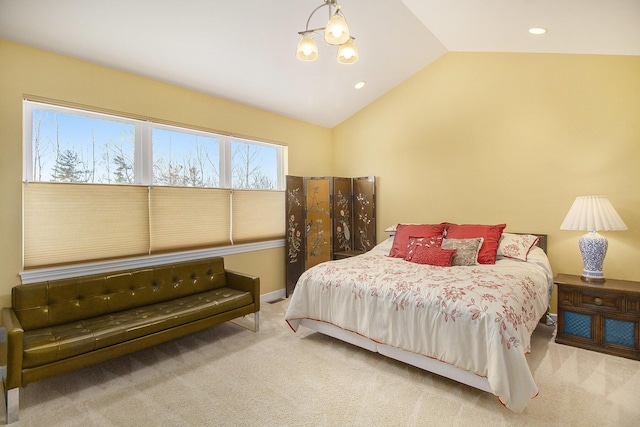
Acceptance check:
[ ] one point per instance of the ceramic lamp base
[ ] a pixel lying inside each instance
(593, 248)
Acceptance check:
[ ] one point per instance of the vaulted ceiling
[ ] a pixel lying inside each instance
(244, 50)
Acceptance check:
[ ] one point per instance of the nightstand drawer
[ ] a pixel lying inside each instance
(590, 300)
(599, 301)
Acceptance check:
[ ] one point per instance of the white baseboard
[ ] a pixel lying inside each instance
(272, 296)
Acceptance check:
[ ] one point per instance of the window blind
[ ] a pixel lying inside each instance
(71, 223)
(67, 223)
(186, 218)
(257, 215)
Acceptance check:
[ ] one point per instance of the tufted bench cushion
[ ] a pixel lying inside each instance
(61, 325)
(47, 345)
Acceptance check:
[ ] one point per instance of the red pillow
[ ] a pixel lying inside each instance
(433, 256)
(428, 242)
(490, 233)
(400, 247)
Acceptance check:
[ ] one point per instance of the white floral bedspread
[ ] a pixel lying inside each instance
(477, 318)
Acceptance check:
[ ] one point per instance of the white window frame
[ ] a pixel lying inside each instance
(143, 146)
(281, 164)
(140, 156)
(221, 147)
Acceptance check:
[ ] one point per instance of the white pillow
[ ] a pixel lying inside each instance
(516, 246)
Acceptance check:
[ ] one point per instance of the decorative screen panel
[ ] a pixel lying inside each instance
(295, 235)
(342, 215)
(318, 220)
(364, 208)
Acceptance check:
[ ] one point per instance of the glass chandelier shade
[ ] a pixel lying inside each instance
(307, 49)
(336, 32)
(348, 53)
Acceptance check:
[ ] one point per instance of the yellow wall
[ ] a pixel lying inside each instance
(492, 138)
(474, 137)
(25, 70)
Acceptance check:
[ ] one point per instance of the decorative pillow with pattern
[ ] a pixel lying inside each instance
(400, 247)
(490, 233)
(433, 256)
(516, 246)
(419, 242)
(467, 250)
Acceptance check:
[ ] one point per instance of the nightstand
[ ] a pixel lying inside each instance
(603, 317)
(347, 254)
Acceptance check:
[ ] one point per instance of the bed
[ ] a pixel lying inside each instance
(470, 323)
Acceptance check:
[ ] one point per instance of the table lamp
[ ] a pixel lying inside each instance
(593, 213)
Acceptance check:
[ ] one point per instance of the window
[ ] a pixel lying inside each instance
(74, 146)
(254, 166)
(103, 187)
(77, 146)
(187, 159)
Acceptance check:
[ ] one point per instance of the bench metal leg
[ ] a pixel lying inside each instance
(244, 322)
(12, 401)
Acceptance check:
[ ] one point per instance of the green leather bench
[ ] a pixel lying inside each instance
(58, 326)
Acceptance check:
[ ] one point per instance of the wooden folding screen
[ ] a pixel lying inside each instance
(326, 215)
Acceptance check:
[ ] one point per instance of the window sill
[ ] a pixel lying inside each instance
(54, 273)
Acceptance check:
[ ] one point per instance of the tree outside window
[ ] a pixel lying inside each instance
(72, 148)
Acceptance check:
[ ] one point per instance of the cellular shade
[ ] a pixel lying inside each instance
(187, 218)
(258, 215)
(66, 223)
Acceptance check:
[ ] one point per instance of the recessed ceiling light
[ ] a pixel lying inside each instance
(360, 85)
(537, 31)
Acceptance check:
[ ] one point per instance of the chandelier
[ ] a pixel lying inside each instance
(336, 33)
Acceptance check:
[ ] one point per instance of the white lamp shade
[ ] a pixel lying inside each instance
(592, 213)
(307, 49)
(348, 53)
(336, 32)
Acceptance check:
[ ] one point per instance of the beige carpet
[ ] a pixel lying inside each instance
(229, 376)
